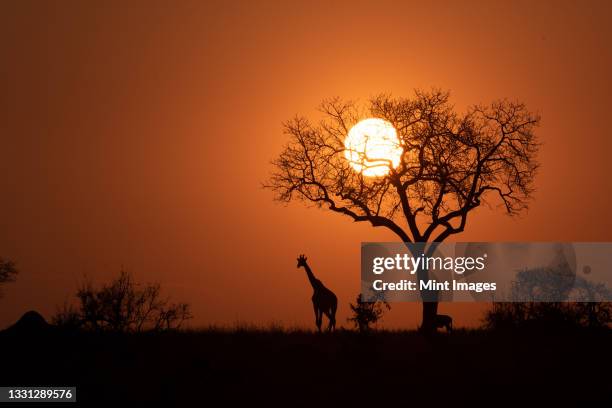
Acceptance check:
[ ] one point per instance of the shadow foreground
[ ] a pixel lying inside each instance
(304, 368)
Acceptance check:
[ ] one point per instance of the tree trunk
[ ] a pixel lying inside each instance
(429, 297)
(430, 311)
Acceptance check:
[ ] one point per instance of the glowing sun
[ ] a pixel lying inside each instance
(372, 147)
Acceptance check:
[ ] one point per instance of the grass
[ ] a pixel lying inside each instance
(295, 367)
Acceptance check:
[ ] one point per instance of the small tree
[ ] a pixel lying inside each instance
(8, 271)
(367, 313)
(123, 306)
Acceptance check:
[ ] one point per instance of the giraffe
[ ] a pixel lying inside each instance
(324, 300)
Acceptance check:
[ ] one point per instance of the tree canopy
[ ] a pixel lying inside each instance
(451, 163)
(8, 271)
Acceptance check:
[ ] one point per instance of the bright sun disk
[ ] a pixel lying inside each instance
(372, 147)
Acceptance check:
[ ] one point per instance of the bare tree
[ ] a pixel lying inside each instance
(451, 164)
(123, 306)
(8, 271)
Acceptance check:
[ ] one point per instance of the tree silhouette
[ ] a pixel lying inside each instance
(8, 271)
(122, 306)
(451, 164)
(367, 313)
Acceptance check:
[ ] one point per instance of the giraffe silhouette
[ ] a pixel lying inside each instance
(324, 300)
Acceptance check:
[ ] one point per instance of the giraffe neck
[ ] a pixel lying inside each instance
(311, 277)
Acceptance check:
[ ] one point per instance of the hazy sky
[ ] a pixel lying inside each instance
(136, 135)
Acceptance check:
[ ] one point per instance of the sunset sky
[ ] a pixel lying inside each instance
(137, 135)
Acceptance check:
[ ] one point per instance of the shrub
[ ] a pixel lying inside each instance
(367, 313)
(122, 306)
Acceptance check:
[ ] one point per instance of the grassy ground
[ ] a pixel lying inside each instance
(300, 368)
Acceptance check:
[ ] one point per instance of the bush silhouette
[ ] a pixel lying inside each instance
(552, 298)
(367, 313)
(548, 315)
(122, 306)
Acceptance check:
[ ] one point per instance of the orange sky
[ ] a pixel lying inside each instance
(137, 135)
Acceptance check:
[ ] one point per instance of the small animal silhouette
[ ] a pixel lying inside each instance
(444, 321)
(324, 300)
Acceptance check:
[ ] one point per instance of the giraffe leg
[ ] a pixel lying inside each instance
(316, 312)
(329, 319)
(318, 318)
(331, 315)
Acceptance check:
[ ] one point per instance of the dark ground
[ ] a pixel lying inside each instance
(307, 369)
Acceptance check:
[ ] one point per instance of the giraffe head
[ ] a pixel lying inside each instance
(301, 261)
